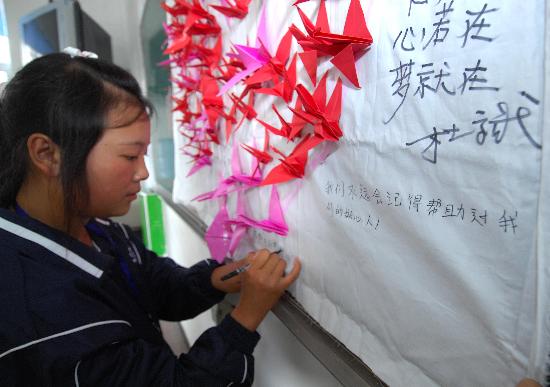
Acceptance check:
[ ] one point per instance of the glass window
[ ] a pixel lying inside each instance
(159, 93)
(5, 60)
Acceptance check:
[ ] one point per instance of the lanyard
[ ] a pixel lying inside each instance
(95, 229)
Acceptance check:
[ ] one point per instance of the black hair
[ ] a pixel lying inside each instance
(68, 99)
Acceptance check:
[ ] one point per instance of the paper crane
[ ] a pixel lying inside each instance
(283, 80)
(292, 166)
(219, 234)
(253, 58)
(275, 222)
(192, 26)
(247, 110)
(224, 234)
(344, 48)
(262, 74)
(261, 66)
(237, 179)
(288, 130)
(323, 116)
(237, 8)
(261, 155)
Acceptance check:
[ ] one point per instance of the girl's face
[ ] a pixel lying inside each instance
(115, 166)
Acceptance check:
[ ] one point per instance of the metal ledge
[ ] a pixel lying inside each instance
(346, 367)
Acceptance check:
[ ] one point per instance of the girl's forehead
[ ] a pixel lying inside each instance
(136, 133)
(125, 114)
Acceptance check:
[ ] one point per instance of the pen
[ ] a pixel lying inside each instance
(242, 269)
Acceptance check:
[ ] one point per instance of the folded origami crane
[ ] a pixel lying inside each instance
(344, 48)
(237, 8)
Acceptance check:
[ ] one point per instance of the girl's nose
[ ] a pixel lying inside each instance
(142, 173)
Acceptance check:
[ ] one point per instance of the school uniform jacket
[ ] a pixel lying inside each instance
(73, 315)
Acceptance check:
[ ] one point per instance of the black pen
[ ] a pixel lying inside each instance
(243, 268)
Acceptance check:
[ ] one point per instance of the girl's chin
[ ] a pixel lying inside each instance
(121, 210)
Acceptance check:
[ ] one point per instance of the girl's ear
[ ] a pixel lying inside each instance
(44, 154)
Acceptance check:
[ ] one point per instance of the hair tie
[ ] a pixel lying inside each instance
(73, 52)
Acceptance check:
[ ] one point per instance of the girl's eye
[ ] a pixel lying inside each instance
(130, 158)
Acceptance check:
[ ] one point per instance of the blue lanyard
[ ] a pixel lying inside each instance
(20, 211)
(95, 229)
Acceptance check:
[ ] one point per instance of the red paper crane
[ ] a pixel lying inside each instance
(274, 70)
(229, 68)
(212, 103)
(287, 130)
(193, 10)
(343, 48)
(247, 111)
(261, 155)
(183, 31)
(284, 82)
(261, 69)
(292, 166)
(324, 116)
(236, 8)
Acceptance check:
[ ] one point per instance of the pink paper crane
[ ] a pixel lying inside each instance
(275, 222)
(237, 179)
(252, 58)
(219, 234)
(224, 234)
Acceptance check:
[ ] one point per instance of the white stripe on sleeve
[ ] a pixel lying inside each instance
(64, 333)
(54, 247)
(245, 368)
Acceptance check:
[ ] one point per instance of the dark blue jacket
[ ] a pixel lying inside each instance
(79, 316)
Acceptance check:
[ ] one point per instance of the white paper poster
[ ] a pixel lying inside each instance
(423, 234)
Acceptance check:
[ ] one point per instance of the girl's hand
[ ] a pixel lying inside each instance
(261, 287)
(232, 285)
(528, 383)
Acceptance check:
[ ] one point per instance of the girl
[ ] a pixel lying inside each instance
(80, 295)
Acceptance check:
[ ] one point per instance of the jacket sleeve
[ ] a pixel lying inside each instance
(221, 356)
(179, 293)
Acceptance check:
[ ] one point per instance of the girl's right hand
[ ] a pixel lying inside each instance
(262, 286)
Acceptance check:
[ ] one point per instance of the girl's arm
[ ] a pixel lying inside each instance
(221, 355)
(180, 293)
